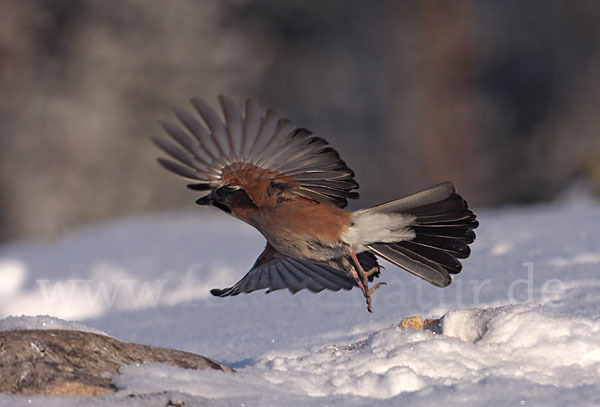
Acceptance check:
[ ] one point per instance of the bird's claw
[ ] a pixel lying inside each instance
(375, 287)
(362, 280)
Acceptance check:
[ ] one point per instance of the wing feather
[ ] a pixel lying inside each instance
(331, 279)
(322, 175)
(276, 280)
(314, 282)
(179, 154)
(269, 125)
(343, 185)
(274, 145)
(200, 133)
(185, 172)
(316, 196)
(287, 275)
(275, 271)
(234, 125)
(287, 149)
(252, 123)
(186, 141)
(218, 133)
(209, 151)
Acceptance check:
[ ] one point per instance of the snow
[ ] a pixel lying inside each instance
(43, 322)
(520, 325)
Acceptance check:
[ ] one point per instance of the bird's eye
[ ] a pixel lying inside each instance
(223, 192)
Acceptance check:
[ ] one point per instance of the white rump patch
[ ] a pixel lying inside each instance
(369, 227)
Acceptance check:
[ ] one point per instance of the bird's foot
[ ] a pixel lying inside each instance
(372, 271)
(362, 280)
(367, 292)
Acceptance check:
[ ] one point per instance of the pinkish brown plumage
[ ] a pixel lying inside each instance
(293, 188)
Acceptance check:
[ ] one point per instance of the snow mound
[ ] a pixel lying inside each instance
(513, 341)
(529, 343)
(44, 322)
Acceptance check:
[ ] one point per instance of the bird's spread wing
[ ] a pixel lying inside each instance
(275, 271)
(212, 150)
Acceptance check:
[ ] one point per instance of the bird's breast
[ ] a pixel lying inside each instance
(304, 230)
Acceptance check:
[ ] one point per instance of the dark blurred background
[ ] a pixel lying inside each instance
(499, 96)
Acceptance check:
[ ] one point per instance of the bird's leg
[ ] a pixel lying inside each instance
(362, 280)
(358, 281)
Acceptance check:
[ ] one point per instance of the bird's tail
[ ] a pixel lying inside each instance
(442, 228)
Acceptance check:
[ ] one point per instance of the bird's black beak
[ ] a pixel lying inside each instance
(205, 200)
(217, 198)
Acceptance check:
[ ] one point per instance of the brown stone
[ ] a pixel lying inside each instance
(61, 362)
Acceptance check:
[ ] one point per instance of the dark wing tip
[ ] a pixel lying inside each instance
(201, 105)
(224, 292)
(177, 168)
(165, 125)
(199, 187)
(442, 282)
(223, 99)
(157, 141)
(448, 186)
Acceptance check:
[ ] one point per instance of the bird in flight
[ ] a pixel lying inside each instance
(293, 188)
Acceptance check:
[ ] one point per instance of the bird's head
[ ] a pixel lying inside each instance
(227, 197)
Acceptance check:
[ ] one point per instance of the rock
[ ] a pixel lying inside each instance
(64, 362)
(421, 324)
